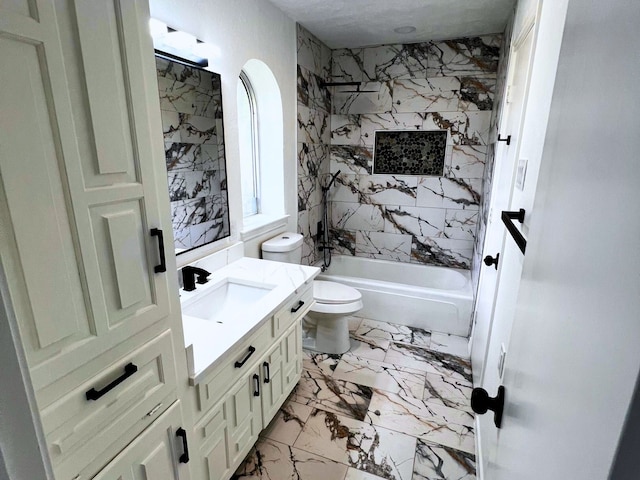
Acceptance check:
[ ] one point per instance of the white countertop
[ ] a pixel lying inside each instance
(211, 340)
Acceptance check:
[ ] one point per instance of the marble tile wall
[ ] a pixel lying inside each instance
(314, 136)
(448, 86)
(191, 109)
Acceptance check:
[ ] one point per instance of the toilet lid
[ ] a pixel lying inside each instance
(334, 293)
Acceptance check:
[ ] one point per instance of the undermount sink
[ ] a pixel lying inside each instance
(225, 300)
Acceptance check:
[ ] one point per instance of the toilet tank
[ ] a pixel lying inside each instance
(286, 247)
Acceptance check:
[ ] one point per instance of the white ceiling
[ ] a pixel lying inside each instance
(358, 23)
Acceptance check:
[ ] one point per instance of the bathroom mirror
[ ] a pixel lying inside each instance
(191, 108)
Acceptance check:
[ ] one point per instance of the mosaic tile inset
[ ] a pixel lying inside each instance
(410, 153)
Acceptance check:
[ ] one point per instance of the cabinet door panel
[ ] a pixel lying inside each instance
(292, 361)
(153, 455)
(213, 436)
(35, 213)
(272, 395)
(78, 185)
(98, 32)
(244, 415)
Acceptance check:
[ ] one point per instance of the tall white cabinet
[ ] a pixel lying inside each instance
(83, 202)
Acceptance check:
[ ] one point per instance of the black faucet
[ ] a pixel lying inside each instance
(189, 277)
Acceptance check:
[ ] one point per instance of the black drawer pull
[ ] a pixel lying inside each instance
(184, 458)
(156, 232)
(240, 363)
(129, 370)
(267, 375)
(297, 307)
(256, 379)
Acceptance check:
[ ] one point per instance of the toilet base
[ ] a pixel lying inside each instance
(331, 333)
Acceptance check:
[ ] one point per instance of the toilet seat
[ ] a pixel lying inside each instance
(335, 298)
(334, 293)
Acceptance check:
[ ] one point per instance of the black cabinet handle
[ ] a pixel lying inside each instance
(184, 458)
(240, 363)
(489, 260)
(129, 369)
(297, 307)
(156, 232)
(481, 402)
(256, 379)
(267, 375)
(507, 219)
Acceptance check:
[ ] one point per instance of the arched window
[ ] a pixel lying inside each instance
(261, 149)
(249, 151)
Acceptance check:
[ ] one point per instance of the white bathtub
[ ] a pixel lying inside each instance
(433, 298)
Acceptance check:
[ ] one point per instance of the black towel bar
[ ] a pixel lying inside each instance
(507, 219)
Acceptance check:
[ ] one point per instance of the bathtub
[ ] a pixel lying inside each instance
(433, 298)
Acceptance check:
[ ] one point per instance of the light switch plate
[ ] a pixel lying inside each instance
(521, 173)
(503, 355)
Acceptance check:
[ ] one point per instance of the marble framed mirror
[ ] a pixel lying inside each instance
(191, 108)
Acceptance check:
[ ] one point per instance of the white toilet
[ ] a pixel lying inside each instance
(326, 325)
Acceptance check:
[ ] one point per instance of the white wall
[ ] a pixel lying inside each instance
(244, 30)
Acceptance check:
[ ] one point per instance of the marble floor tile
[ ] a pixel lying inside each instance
(288, 423)
(451, 344)
(435, 462)
(321, 391)
(395, 333)
(355, 474)
(319, 362)
(271, 460)
(369, 347)
(447, 391)
(379, 375)
(430, 422)
(429, 361)
(354, 323)
(379, 451)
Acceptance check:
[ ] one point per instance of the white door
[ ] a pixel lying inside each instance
(535, 53)
(574, 355)
(501, 190)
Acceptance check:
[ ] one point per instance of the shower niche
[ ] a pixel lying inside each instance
(414, 152)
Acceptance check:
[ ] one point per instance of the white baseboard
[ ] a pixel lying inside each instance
(478, 438)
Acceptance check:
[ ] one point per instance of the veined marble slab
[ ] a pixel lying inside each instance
(319, 390)
(436, 462)
(430, 422)
(420, 358)
(380, 375)
(395, 333)
(379, 451)
(274, 460)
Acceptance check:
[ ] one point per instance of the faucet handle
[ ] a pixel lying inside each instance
(203, 276)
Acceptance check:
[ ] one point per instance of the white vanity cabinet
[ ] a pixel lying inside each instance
(83, 203)
(262, 372)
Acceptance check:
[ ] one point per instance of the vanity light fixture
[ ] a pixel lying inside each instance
(177, 45)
